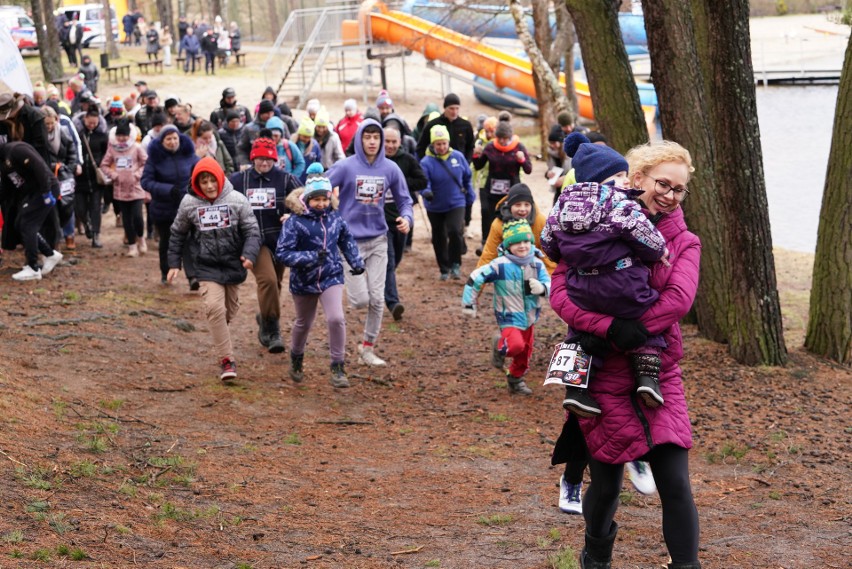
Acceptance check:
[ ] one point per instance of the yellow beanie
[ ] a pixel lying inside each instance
(306, 127)
(439, 132)
(322, 119)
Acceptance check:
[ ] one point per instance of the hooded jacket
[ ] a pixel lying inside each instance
(290, 158)
(25, 178)
(94, 144)
(230, 138)
(267, 194)
(491, 249)
(125, 163)
(217, 233)
(347, 127)
(217, 117)
(330, 149)
(625, 430)
(449, 180)
(408, 143)
(504, 170)
(424, 118)
(363, 187)
(165, 170)
(311, 152)
(305, 234)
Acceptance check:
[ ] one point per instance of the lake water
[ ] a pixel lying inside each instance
(795, 133)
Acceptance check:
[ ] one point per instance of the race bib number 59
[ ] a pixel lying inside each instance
(569, 366)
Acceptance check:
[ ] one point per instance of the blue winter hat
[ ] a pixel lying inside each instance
(592, 162)
(314, 169)
(274, 123)
(317, 186)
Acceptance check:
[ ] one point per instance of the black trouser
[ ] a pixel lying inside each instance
(190, 58)
(396, 248)
(131, 219)
(209, 62)
(486, 213)
(165, 231)
(28, 227)
(447, 236)
(670, 466)
(72, 51)
(87, 206)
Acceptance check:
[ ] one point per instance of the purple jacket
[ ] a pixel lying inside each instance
(619, 434)
(363, 187)
(605, 240)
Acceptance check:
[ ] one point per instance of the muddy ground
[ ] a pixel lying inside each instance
(120, 447)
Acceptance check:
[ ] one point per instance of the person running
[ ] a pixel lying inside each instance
(125, 161)
(362, 181)
(311, 243)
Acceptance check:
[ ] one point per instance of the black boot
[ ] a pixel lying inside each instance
(96, 241)
(276, 345)
(578, 401)
(597, 554)
(296, 372)
(692, 565)
(263, 331)
(646, 370)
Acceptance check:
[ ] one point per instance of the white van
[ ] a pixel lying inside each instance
(20, 27)
(92, 18)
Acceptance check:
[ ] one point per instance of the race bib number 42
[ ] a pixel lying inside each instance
(370, 189)
(569, 366)
(212, 217)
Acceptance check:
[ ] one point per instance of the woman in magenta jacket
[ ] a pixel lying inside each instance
(625, 430)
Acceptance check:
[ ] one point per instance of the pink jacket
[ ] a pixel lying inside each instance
(626, 429)
(124, 165)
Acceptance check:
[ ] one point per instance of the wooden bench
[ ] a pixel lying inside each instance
(60, 84)
(144, 65)
(198, 59)
(115, 71)
(241, 58)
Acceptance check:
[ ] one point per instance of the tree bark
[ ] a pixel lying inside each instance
(166, 14)
(681, 96)
(50, 54)
(830, 322)
(755, 334)
(112, 49)
(614, 94)
(565, 25)
(216, 9)
(274, 25)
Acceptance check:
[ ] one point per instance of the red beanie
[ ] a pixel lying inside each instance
(263, 148)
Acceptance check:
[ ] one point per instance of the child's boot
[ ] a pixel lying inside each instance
(276, 344)
(132, 250)
(296, 373)
(517, 385)
(263, 330)
(646, 370)
(578, 401)
(597, 553)
(498, 354)
(338, 376)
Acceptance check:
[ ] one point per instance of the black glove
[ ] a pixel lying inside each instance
(357, 271)
(321, 255)
(627, 334)
(175, 193)
(594, 345)
(427, 195)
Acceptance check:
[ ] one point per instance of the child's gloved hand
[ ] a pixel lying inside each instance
(357, 271)
(594, 345)
(627, 334)
(537, 288)
(469, 310)
(322, 254)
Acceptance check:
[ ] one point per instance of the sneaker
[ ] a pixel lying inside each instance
(640, 476)
(369, 357)
(143, 245)
(338, 376)
(397, 311)
(579, 402)
(570, 496)
(498, 355)
(517, 386)
(132, 251)
(229, 370)
(455, 272)
(296, 373)
(27, 274)
(50, 263)
(649, 390)
(445, 276)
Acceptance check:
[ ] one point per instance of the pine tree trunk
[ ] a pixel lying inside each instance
(684, 116)
(830, 322)
(50, 55)
(112, 49)
(541, 34)
(216, 9)
(272, 14)
(614, 94)
(755, 329)
(166, 14)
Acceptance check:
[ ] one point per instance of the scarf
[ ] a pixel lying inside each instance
(54, 138)
(522, 261)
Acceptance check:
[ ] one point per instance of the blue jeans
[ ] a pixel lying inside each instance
(396, 247)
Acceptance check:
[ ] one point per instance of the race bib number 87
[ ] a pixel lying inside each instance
(569, 366)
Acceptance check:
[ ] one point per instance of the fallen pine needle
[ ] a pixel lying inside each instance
(406, 551)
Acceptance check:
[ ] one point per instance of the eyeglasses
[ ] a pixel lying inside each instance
(679, 193)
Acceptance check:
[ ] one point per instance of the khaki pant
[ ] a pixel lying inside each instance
(268, 275)
(221, 304)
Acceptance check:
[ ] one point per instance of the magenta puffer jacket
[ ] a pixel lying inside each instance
(626, 429)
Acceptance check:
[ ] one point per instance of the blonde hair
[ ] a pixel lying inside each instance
(645, 156)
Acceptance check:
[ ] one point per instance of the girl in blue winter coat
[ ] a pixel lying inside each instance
(311, 243)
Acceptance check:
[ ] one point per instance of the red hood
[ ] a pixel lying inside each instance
(207, 164)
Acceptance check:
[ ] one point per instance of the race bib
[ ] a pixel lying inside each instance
(261, 198)
(569, 366)
(16, 179)
(500, 187)
(212, 217)
(370, 189)
(123, 163)
(66, 187)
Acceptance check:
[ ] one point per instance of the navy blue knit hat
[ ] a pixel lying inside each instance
(592, 162)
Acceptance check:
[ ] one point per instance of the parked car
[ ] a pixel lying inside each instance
(92, 18)
(20, 26)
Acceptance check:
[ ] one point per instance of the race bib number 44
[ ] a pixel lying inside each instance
(212, 217)
(569, 366)
(370, 189)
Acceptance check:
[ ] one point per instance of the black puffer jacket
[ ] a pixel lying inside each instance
(269, 212)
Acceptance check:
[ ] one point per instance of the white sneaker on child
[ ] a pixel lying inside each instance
(570, 497)
(369, 357)
(641, 477)
(27, 274)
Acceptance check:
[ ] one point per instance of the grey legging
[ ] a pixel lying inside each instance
(306, 311)
(670, 466)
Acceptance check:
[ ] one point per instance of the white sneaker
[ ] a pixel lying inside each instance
(143, 245)
(570, 497)
(50, 263)
(369, 357)
(640, 476)
(27, 274)
(132, 250)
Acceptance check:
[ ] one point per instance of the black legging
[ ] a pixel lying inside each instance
(87, 205)
(447, 237)
(131, 219)
(670, 466)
